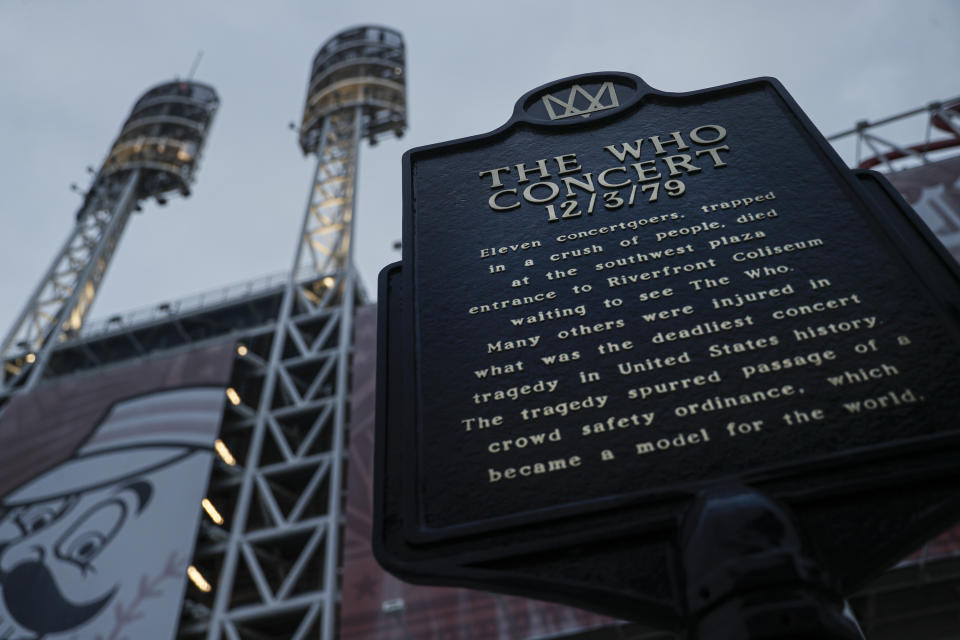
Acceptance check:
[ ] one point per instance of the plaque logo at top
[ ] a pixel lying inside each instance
(584, 98)
(607, 93)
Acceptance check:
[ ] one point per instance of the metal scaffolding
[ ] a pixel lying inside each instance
(156, 153)
(274, 564)
(917, 150)
(939, 128)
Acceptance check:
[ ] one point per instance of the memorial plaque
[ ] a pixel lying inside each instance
(622, 297)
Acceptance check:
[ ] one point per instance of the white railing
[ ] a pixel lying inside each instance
(181, 306)
(194, 303)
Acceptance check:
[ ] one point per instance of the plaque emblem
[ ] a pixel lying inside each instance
(581, 103)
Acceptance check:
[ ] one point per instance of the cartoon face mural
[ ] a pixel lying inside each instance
(92, 546)
(45, 540)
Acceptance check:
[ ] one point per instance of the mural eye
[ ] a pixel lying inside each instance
(86, 537)
(40, 520)
(85, 547)
(33, 519)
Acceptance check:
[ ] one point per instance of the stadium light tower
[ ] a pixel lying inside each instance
(156, 154)
(279, 568)
(356, 90)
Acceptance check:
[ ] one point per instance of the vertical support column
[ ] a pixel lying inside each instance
(339, 448)
(326, 237)
(356, 90)
(323, 242)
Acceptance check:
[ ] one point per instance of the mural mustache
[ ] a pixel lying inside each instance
(31, 582)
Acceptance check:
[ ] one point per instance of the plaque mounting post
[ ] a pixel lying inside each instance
(751, 576)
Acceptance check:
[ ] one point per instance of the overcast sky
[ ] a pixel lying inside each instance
(70, 71)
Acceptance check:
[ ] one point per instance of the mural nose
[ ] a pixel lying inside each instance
(13, 554)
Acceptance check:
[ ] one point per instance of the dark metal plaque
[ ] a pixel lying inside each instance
(622, 297)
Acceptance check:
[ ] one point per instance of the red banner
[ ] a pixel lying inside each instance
(934, 192)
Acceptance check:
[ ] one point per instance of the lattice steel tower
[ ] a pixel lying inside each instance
(274, 558)
(155, 154)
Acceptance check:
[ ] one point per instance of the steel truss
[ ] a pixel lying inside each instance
(326, 239)
(275, 564)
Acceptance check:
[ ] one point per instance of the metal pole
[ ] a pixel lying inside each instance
(338, 447)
